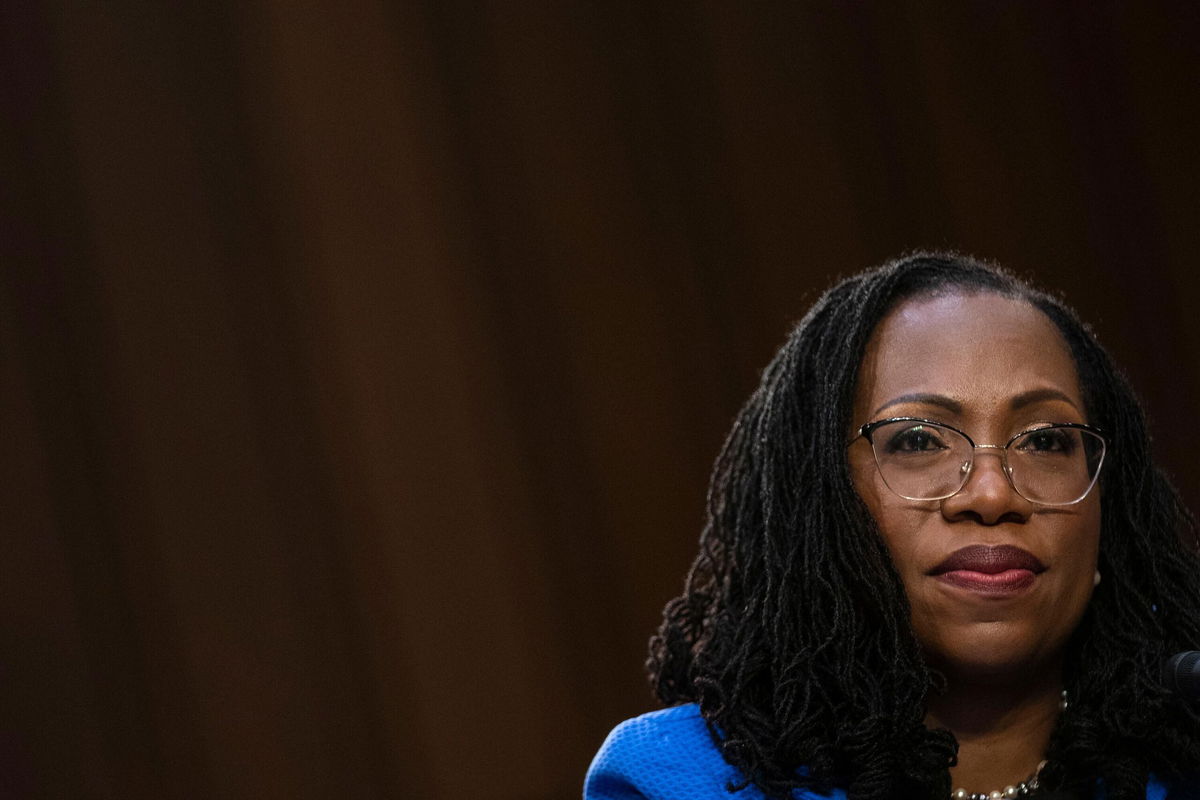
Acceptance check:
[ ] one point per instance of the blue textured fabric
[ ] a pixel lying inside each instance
(669, 755)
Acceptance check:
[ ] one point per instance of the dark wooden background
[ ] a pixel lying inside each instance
(363, 362)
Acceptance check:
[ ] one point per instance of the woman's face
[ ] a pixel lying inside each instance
(992, 367)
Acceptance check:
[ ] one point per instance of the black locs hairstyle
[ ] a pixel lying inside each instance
(793, 631)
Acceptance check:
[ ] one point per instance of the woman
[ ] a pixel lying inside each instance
(938, 560)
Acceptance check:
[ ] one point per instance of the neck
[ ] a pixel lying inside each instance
(1003, 730)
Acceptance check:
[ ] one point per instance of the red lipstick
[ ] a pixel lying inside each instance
(998, 571)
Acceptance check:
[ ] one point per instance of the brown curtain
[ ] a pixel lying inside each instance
(363, 362)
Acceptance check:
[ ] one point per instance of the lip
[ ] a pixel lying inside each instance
(993, 570)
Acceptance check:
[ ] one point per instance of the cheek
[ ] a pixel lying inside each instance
(899, 521)
(1077, 567)
(1081, 553)
(868, 484)
(875, 494)
(1076, 540)
(1076, 584)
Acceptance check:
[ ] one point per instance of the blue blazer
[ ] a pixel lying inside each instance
(669, 755)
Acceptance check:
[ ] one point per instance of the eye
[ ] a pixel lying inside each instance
(919, 439)
(1049, 440)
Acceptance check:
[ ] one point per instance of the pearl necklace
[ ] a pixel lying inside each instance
(1020, 789)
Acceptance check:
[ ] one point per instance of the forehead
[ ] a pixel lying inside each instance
(979, 349)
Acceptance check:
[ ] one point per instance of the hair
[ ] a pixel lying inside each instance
(793, 632)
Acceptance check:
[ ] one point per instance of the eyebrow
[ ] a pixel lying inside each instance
(1039, 396)
(1023, 400)
(951, 405)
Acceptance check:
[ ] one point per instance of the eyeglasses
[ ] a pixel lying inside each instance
(1052, 465)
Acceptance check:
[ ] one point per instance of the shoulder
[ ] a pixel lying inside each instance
(664, 755)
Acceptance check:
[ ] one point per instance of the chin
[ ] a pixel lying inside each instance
(998, 668)
(992, 659)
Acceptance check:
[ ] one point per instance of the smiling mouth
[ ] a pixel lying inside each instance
(1000, 570)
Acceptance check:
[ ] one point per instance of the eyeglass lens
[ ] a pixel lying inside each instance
(926, 461)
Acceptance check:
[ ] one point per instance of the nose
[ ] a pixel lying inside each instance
(988, 496)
